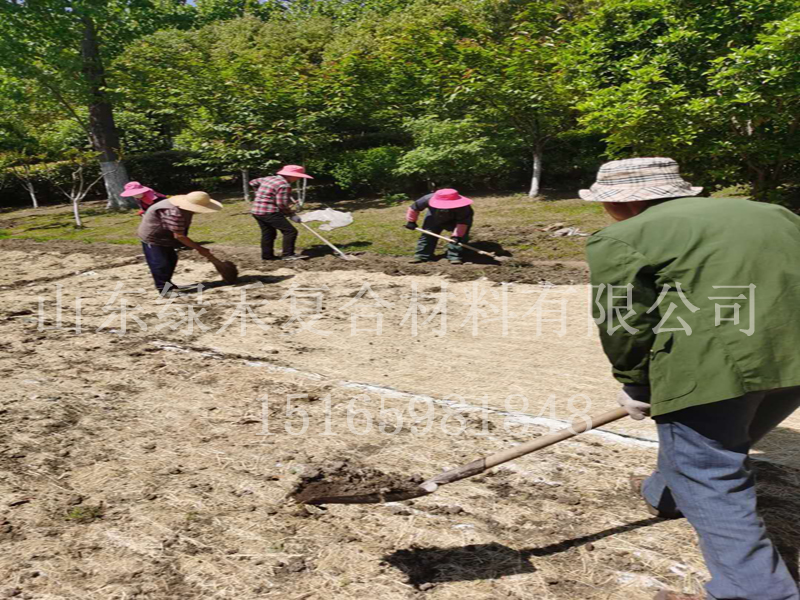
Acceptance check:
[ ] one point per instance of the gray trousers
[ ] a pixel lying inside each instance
(703, 470)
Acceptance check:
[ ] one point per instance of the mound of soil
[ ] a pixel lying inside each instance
(518, 270)
(341, 479)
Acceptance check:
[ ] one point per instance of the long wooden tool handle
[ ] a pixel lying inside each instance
(573, 429)
(481, 464)
(452, 241)
(335, 249)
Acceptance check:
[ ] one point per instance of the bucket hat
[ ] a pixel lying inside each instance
(635, 179)
(134, 188)
(196, 202)
(448, 198)
(294, 171)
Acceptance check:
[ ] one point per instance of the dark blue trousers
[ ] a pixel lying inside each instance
(162, 261)
(704, 471)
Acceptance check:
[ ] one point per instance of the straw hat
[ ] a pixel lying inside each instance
(294, 171)
(196, 202)
(448, 198)
(134, 188)
(635, 179)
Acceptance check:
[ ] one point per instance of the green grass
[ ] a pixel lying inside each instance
(377, 227)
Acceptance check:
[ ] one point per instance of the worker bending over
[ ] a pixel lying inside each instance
(164, 229)
(447, 210)
(696, 300)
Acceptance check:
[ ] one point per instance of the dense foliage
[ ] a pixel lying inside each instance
(381, 96)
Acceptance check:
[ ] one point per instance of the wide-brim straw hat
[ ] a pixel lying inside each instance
(448, 198)
(134, 188)
(294, 171)
(635, 179)
(197, 202)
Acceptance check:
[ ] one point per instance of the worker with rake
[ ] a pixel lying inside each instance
(272, 209)
(696, 301)
(164, 229)
(447, 210)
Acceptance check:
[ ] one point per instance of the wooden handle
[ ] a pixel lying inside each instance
(573, 429)
(335, 249)
(447, 239)
(481, 464)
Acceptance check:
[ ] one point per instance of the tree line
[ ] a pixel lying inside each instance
(379, 96)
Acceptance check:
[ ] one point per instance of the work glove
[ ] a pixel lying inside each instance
(636, 400)
(296, 218)
(456, 239)
(410, 225)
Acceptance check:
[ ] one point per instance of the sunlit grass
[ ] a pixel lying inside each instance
(378, 226)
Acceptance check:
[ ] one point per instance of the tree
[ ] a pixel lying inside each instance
(20, 165)
(80, 182)
(238, 91)
(757, 101)
(65, 46)
(684, 79)
(512, 77)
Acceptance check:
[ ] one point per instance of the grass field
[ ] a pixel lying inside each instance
(511, 221)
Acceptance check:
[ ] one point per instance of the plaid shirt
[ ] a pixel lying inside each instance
(273, 195)
(161, 221)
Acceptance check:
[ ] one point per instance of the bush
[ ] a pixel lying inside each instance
(164, 171)
(370, 170)
(456, 153)
(46, 177)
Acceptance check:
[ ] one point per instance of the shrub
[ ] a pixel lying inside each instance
(367, 170)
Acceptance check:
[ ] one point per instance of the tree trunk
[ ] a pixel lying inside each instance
(537, 173)
(32, 193)
(246, 184)
(76, 212)
(102, 129)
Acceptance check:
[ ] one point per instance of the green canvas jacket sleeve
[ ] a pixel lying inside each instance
(623, 290)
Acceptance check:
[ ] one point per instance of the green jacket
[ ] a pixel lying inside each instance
(700, 243)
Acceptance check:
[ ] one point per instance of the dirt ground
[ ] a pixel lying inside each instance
(144, 458)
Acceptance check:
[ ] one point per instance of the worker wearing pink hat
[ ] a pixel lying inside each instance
(272, 209)
(145, 197)
(447, 210)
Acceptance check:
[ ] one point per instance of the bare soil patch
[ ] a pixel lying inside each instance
(520, 271)
(159, 464)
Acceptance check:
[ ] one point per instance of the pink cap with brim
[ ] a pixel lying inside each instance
(294, 171)
(134, 188)
(448, 199)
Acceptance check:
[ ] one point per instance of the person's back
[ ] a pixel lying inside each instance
(160, 221)
(722, 252)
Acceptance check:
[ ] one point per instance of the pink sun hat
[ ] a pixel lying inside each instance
(134, 188)
(294, 171)
(448, 199)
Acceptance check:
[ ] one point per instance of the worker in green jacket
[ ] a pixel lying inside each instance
(696, 300)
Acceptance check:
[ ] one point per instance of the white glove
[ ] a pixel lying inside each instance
(296, 218)
(637, 409)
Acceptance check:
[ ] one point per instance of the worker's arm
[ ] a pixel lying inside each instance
(255, 182)
(411, 218)
(624, 289)
(412, 214)
(188, 242)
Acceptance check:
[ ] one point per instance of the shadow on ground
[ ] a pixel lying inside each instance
(323, 250)
(486, 561)
(778, 505)
(241, 281)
